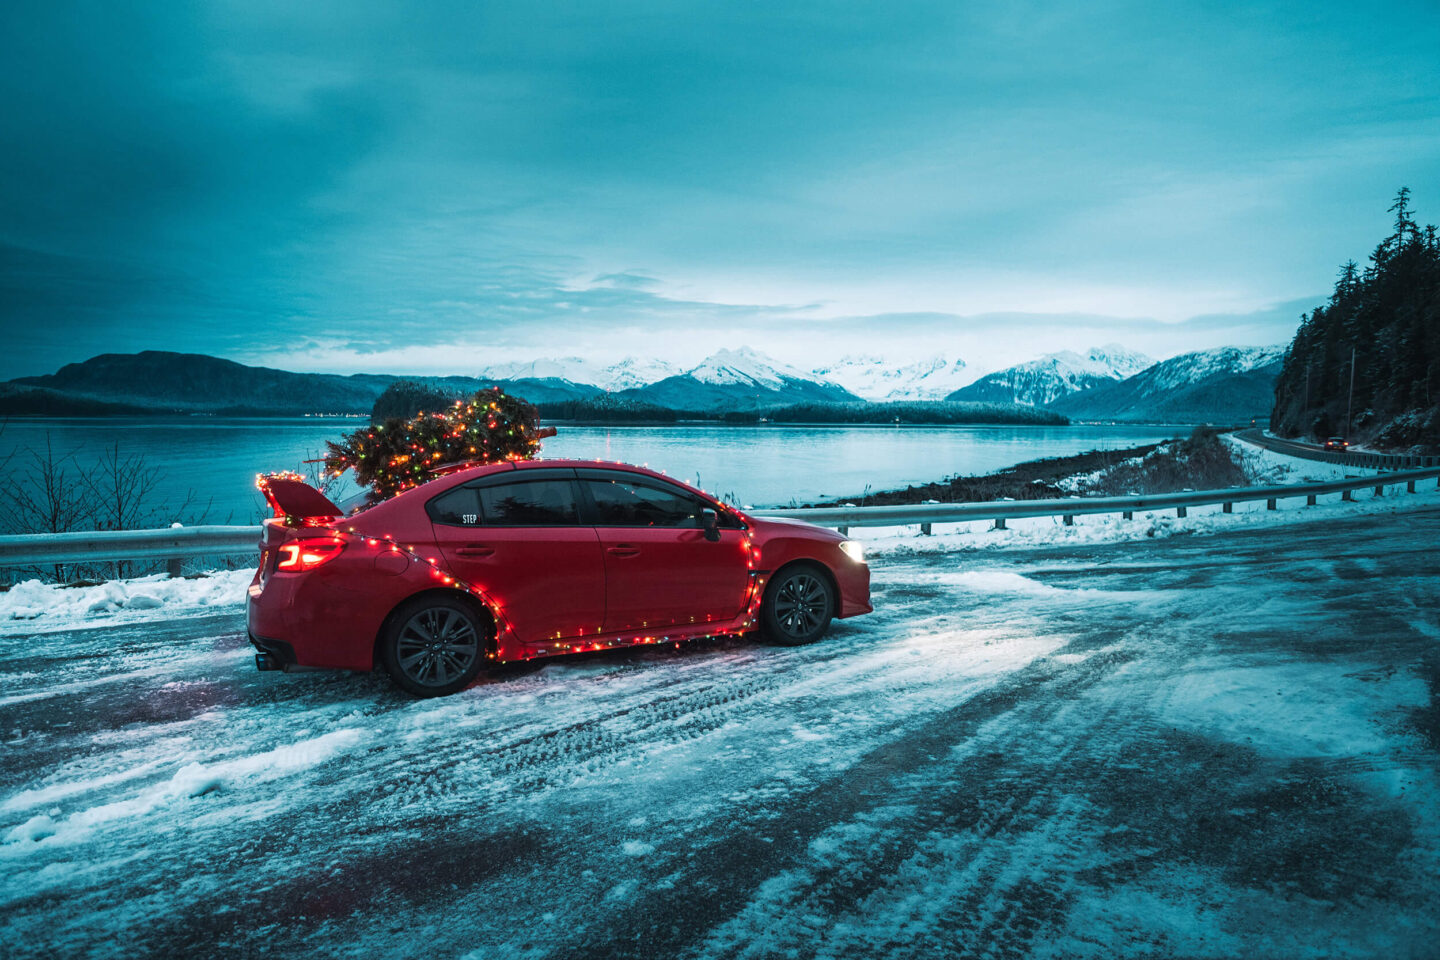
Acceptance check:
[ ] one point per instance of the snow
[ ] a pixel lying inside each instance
(879, 379)
(748, 367)
(1057, 375)
(1265, 466)
(34, 606)
(621, 375)
(1146, 525)
(1197, 745)
(1193, 367)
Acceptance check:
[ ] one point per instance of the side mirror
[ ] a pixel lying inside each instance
(710, 520)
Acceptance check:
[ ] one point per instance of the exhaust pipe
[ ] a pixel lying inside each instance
(268, 661)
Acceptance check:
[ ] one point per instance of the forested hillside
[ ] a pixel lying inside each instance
(1386, 318)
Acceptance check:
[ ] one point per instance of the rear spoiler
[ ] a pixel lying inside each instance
(295, 501)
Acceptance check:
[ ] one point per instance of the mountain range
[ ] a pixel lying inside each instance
(1042, 382)
(1228, 384)
(1107, 382)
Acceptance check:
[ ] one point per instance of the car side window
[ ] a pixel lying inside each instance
(459, 507)
(534, 503)
(635, 503)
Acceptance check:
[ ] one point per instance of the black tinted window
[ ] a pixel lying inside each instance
(629, 503)
(460, 507)
(537, 503)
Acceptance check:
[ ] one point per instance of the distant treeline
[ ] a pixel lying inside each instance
(932, 412)
(1387, 318)
(608, 409)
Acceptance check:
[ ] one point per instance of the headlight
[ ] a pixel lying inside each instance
(854, 550)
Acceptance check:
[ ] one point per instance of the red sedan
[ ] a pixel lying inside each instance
(513, 561)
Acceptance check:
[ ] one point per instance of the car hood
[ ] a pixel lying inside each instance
(784, 526)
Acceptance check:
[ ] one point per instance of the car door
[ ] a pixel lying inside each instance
(519, 538)
(660, 570)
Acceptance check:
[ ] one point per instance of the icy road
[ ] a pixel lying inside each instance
(1206, 745)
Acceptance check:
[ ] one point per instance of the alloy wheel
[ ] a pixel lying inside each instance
(436, 646)
(800, 604)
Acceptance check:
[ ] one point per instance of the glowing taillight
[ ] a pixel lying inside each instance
(298, 556)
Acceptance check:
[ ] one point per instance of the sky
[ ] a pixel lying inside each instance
(429, 187)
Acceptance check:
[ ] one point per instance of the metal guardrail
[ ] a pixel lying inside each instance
(1069, 508)
(100, 545)
(1360, 459)
(171, 543)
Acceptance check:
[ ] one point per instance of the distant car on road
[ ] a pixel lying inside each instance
(1337, 443)
(514, 561)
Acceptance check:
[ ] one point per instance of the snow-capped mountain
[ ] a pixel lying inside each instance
(741, 379)
(746, 367)
(1223, 385)
(876, 378)
(1054, 376)
(635, 372)
(622, 375)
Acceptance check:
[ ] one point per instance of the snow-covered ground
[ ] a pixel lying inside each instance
(1267, 466)
(33, 606)
(1212, 745)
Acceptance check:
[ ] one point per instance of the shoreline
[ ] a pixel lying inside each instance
(1030, 480)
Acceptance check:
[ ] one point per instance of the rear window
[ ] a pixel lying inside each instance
(534, 503)
(459, 507)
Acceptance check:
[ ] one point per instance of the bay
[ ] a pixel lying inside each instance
(212, 462)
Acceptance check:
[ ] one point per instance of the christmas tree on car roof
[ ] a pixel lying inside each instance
(400, 453)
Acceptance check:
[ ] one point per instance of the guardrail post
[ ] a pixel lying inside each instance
(999, 523)
(1310, 500)
(1380, 491)
(1272, 504)
(844, 531)
(1127, 515)
(1348, 495)
(924, 529)
(1069, 520)
(1227, 508)
(1181, 512)
(1409, 486)
(174, 567)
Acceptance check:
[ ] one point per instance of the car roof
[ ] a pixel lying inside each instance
(484, 470)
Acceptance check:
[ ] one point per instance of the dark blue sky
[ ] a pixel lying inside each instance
(422, 187)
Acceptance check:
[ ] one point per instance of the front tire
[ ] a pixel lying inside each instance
(798, 605)
(434, 646)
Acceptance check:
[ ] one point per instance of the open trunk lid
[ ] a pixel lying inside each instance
(296, 502)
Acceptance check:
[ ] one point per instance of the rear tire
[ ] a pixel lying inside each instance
(434, 646)
(798, 605)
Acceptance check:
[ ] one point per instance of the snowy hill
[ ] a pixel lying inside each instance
(622, 375)
(742, 379)
(1227, 384)
(1054, 376)
(876, 378)
(159, 381)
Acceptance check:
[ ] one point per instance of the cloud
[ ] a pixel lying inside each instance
(381, 177)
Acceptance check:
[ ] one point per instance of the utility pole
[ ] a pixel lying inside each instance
(1350, 404)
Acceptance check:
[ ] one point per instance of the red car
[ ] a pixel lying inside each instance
(513, 561)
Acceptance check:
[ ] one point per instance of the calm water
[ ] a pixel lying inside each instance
(759, 466)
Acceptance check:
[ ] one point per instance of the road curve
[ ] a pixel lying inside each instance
(1349, 458)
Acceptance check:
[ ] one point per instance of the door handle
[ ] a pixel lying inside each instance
(624, 550)
(475, 550)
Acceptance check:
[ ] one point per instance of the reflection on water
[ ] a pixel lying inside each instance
(762, 465)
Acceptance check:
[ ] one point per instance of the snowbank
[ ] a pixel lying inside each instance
(1266, 466)
(1111, 528)
(37, 607)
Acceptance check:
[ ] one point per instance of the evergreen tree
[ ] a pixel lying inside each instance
(1387, 318)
